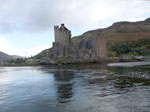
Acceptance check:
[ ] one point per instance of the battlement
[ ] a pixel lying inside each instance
(56, 27)
(61, 28)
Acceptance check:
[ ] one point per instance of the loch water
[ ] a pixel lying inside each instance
(75, 88)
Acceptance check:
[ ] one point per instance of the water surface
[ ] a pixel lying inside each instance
(94, 88)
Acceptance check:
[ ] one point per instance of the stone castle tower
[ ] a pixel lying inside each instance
(62, 41)
(62, 35)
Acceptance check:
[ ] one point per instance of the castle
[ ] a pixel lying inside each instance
(64, 46)
(92, 45)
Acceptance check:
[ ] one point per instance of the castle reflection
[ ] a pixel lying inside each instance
(64, 85)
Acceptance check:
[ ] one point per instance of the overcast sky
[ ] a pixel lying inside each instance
(26, 26)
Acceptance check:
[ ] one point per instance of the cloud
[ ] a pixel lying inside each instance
(7, 48)
(40, 15)
(37, 16)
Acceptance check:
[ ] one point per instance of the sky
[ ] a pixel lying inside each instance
(26, 26)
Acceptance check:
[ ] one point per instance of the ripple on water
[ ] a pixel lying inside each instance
(92, 89)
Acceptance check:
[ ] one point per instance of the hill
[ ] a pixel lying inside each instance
(118, 29)
(139, 47)
(4, 56)
(42, 55)
(17, 56)
(117, 32)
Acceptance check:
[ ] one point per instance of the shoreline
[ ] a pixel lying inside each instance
(107, 63)
(129, 64)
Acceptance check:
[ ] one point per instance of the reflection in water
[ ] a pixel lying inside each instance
(130, 77)
(93, 88)
(64, 85)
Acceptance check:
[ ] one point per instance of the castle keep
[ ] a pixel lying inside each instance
(64, 46)
(62, 35)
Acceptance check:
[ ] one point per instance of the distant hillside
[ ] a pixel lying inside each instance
(16, 56)
(128, 30)
(4, 56)
(118, 29)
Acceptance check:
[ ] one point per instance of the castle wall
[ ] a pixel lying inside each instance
(101, 47)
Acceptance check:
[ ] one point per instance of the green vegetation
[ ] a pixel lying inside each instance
(128, 48)
(42, 55)
(17, 61)
(21, 61)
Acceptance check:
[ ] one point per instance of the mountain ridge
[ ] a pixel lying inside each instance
(5, 56)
